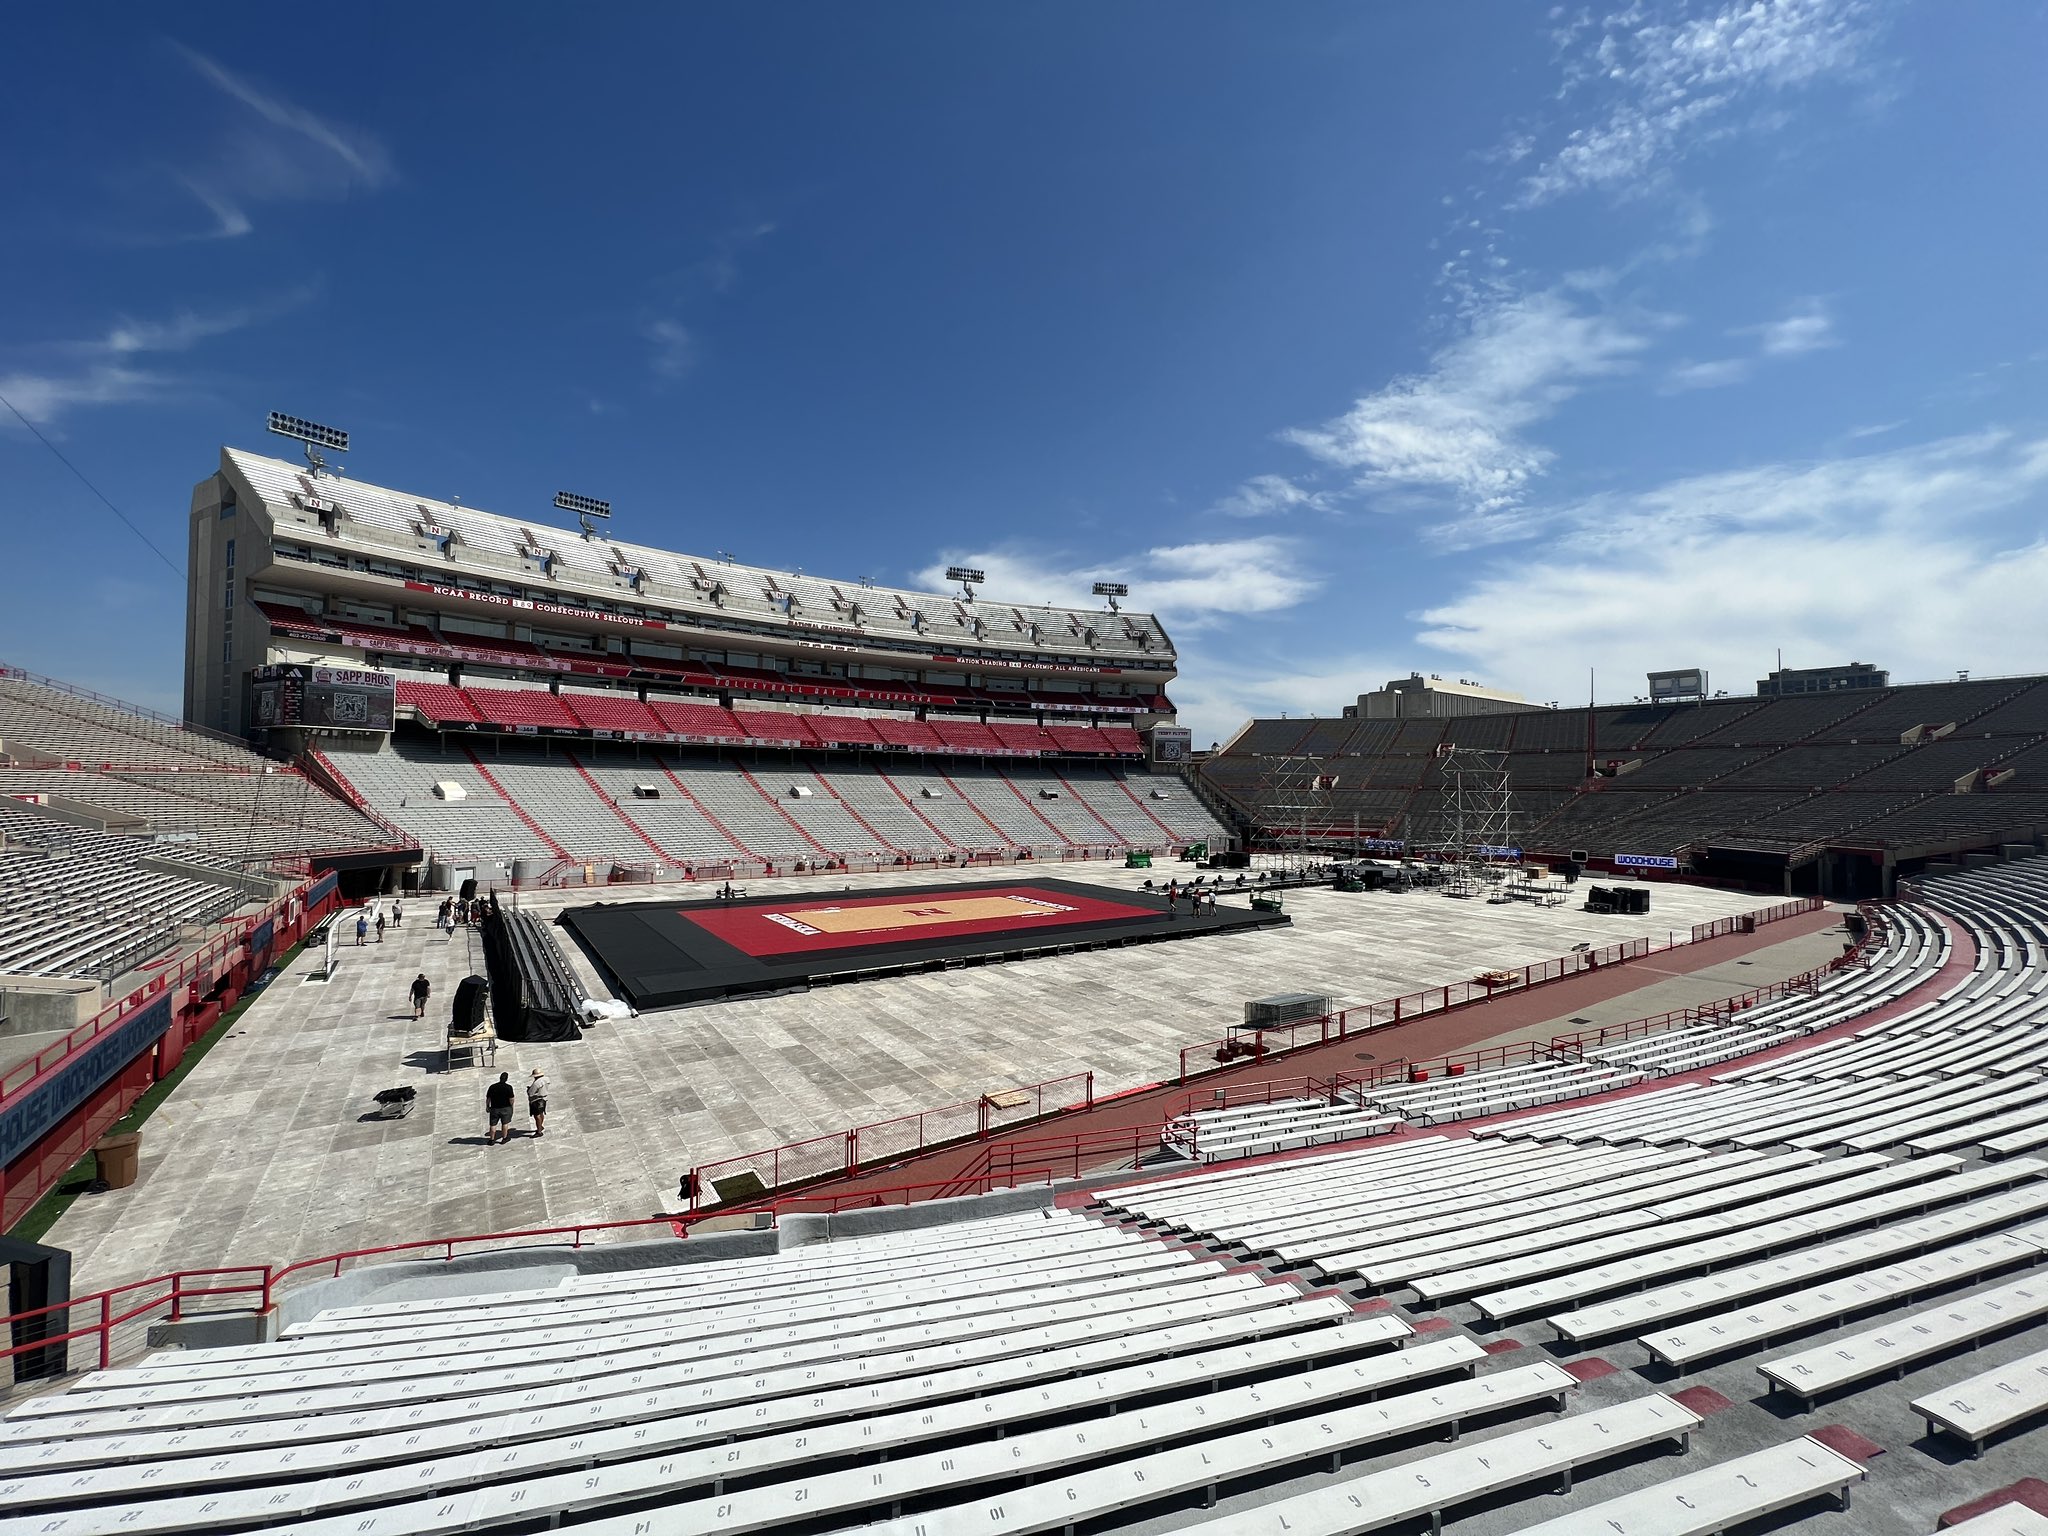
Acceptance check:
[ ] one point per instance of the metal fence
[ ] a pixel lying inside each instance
(1277, 1040)
(885, 1141)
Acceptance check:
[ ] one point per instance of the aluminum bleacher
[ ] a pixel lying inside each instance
(73, 726)
(674, 806)
(1920, 764)
(77, 902)
(1279, 1342)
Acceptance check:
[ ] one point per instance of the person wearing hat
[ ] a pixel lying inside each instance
(537, 1101)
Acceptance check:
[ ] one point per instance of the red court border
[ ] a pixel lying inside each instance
(752, 931)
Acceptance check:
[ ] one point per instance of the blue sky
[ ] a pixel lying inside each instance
(1501, 341)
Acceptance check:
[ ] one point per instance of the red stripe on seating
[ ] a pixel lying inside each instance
(1844, 1441)
(2028, 1493)
(1704, 1401)
(1592, 1368)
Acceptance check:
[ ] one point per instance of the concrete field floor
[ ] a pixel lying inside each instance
(272, 1149)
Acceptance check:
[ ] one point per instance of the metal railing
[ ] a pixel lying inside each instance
(884, 1141)
(1323, 1029)
(997, 1166)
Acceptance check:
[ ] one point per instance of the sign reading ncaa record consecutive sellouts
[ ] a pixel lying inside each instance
(1644, 861)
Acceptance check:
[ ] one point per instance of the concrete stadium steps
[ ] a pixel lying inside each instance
(74, 902)
(758, 822)
(880, 808)
(707, 810)
(672, 820)
(939, 800)
(72, 727)
(1000, 803)
(822, 814)
(398, 783)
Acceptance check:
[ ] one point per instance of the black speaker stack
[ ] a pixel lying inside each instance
(1621, 900)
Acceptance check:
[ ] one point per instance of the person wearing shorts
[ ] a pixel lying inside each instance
(537, 1101)
(498, 1109)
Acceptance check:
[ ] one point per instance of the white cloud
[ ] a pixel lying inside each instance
(672, 348)
(1266, 495)
(1456, 431)
(1893, 558)
(187, 328)
(1666, 86)
(1808, 328)
(1217, 690)
(276, 149)
(43, 397)
(1717, 374)
(104, 370)
(1185, 584)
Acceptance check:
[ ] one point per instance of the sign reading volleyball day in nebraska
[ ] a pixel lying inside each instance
(1644, 861)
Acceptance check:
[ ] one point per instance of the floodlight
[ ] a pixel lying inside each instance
(309, 432)
(585, 508)
(968, 577)
(1112, 589)
(312, 434)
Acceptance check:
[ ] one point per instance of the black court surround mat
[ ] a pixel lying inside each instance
(663, 954)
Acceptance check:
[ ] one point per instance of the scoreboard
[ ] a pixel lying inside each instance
(322, 698)
(1172, 744)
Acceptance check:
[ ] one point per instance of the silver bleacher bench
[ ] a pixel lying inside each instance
(1425, 1487)
(1899, 1343)
(713, 1410)
(1975, 1409)
(588, 1468)
(1060, 1498)
(1829, 1304)
(1711, 1500)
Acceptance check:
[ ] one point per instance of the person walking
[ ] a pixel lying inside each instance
(397, 914)
(362, 927)
(498, 1110)
(380, 927)
(421, 989)
(537, 1101)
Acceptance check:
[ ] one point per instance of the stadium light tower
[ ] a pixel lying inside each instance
(968, 577)
(312, 434)
(585, 508)
(1112, 590)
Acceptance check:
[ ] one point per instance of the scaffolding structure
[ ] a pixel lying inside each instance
(1477, 840)
(1292, 806)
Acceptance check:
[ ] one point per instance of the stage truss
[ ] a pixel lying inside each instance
(1477, 838)
(1292, 806)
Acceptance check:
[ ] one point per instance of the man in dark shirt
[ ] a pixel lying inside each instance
(498, 1099)
(421, 988)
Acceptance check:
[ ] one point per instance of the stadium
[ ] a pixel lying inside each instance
(964, 1116)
